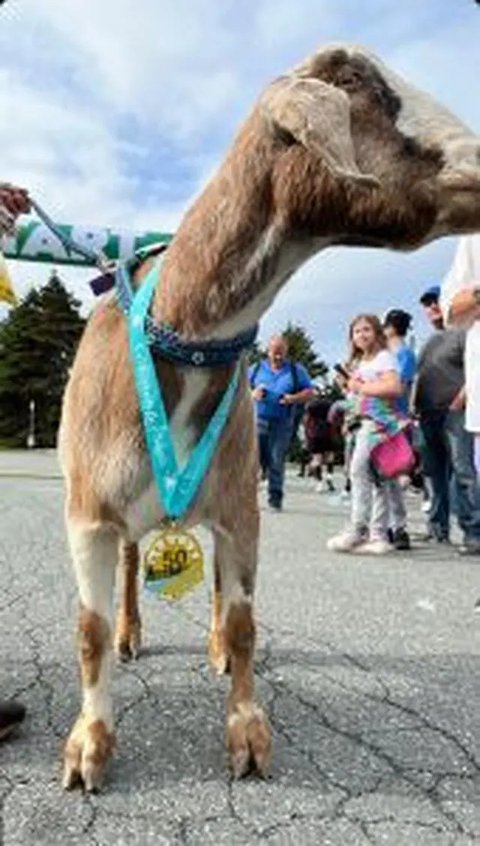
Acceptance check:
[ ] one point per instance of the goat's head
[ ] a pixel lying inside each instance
(370, 128)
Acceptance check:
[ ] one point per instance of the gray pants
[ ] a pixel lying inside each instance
(369, 502)
(397, 513)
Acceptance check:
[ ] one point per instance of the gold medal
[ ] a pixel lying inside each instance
(173, 563)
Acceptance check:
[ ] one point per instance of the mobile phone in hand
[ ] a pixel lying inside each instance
(341, 370)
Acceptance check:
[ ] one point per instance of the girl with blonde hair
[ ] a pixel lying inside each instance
(374, 415)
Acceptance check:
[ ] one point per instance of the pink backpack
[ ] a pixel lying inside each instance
(394, 456)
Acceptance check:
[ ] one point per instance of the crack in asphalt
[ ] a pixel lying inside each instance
(374, 749)
(263, 668)
(277, 690)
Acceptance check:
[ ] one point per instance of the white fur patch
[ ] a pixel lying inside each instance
(97, 699)
(245, 712)
(284, 259)
(232, 592)
(430, 123)
(95, 555)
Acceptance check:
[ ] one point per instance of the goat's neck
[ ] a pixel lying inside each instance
(236, 294)
(232, 253)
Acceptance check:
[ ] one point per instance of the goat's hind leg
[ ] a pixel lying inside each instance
(128, 625)
(90, 743)
(217, 652)
(248, 734)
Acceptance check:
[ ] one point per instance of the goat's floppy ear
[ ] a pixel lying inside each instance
(318, 116)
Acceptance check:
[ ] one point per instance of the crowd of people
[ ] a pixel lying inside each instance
(423, 411)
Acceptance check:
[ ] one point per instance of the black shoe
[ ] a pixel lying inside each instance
(401, 539)
(390, 536)
(11, 715)
(274, 505)
(469, 547)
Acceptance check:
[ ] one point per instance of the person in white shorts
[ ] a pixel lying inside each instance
(460, 302)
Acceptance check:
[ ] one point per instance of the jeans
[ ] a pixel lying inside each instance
(397, 512)
(369, 500)
(274, 438)
(448, 459)
(477, 454)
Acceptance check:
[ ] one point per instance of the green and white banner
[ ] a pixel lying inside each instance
(34, 242)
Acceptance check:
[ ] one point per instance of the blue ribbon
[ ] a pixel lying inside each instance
(177, 486)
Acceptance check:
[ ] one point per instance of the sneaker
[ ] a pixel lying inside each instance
(401, 539)
(426, 506)
(376, 546)
(11, 715)
(321, 487)
(330, 485)
(346, 541)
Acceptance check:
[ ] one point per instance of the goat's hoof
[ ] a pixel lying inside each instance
(127, 641)
(249, 740)
(87, 751)
(217, 653)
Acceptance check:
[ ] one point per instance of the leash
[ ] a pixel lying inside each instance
(163, 338)
(71, 246)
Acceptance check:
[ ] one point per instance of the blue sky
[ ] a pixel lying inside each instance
(118, 112)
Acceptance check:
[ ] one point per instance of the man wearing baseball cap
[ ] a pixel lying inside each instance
(430, 295)
(447, 446)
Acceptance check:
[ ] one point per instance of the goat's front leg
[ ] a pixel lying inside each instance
(128, 626)
(248, 733)
(91, 740)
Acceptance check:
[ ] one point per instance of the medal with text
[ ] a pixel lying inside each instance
(173, 563)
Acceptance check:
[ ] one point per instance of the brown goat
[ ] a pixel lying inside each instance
(339, 151)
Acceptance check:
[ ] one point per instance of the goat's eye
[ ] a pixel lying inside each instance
(348, 77)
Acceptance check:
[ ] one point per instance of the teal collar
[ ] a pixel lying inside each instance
(177, 486)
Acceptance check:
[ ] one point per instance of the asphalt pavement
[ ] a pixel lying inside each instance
(369, 669)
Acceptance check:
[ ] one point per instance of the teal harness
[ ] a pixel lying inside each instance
(177, 485)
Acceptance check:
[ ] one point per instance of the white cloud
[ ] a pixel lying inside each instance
(117, 113)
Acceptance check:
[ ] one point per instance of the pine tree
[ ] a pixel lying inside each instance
(37, 344)
(300, 348)
(256, 353)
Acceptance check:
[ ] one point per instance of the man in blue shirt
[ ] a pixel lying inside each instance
(278, 385)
